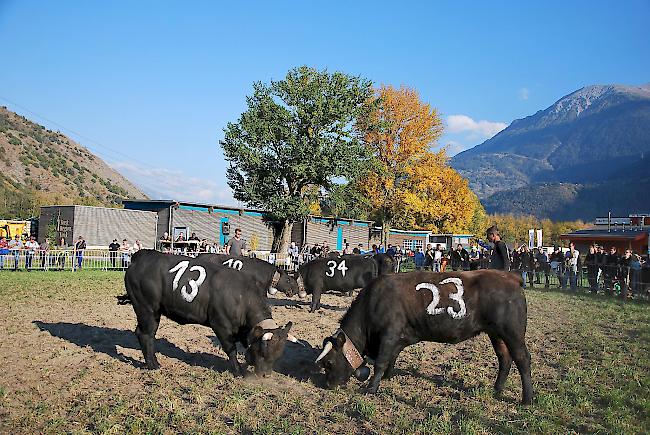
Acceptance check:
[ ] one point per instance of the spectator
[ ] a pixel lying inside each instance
(44, 252)
(79, 251)
(460, 258)
(31, 246)
(428, 257)
(194, 242)
(236, 245)
(526, 265)
(573, 263)
(294, 254)
(136, 246)
(15, 246)
(325, 252)
(611, 270)
(180, 237)
(62, 254)
(4, 251)
(125, 250)
(474, 258)
(592, 269)
(601, 257)
(419, 259)
(500, 258)
(358, 249)
(635, 273)
(391, 250)
(438, 255)
(347, 250)
(543, 266)
(112, 252)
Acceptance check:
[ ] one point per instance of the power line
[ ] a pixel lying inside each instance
(79, 135)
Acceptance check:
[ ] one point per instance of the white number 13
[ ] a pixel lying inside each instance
(194, 285)
(332, 266)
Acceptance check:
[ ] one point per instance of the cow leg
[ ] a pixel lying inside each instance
(505, 362)
(315, 300)
(391, 365)
(146, 333)
(388, 351)
(230, 347)
(521, 356)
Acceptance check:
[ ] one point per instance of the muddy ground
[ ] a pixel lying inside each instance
(71, 363)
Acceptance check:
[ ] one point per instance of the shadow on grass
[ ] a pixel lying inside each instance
(297, 360)
(299, 304)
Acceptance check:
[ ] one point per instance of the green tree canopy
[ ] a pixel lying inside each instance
(297, 135)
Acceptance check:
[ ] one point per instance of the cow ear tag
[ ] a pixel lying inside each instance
(362, 373)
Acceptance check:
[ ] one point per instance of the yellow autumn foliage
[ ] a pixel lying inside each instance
(412, 186)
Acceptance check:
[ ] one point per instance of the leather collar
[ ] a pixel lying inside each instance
(350, 351)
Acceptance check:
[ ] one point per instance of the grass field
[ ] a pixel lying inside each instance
(71, 363)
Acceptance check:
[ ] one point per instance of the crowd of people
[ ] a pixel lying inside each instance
(25, 252)
(606, 269)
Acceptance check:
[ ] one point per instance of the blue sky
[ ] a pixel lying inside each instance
(149, 86)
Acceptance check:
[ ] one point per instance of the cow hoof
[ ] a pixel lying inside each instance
(370, 390)
(153, 366)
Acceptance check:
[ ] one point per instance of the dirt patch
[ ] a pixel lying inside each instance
(72, 363)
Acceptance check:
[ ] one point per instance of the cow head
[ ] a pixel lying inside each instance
(286, 284)
(338, 369)
(265, 346)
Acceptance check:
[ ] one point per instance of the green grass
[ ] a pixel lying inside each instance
(591, 373)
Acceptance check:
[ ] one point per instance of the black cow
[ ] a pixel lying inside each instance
(398, 310)
(269, 277)
(343, 274)
(190, 291)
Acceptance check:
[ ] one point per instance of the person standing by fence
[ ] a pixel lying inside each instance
(30, 250)
(500, 257)
(125, 249)
(112, 252)
(15, 246)
(236, 244)
(79, 251)
(45, 254)
(592, 269)
(4, 251)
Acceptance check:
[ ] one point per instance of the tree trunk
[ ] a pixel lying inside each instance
(281, 237)
(385, 233)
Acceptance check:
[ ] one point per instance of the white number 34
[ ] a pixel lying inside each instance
(332, 266)
(194, 284)
(458, 297)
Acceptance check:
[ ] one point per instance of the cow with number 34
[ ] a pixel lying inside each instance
(343, 274)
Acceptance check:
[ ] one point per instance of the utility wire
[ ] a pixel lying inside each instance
(79, 135)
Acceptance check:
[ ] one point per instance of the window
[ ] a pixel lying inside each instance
(412, 244)
(407, 244)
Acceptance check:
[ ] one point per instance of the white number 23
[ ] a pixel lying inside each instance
(433, 309)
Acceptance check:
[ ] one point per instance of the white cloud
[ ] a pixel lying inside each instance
(523, 93)
(163, 183)
(483, 129)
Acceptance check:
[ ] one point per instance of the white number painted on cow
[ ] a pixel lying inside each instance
(232, 263)
(458, 297)
(332, 267)
(180, 268)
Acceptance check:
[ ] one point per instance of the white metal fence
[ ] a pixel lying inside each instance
(99, 259)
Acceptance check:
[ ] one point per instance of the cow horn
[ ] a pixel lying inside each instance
(293, 339)
(273, 290)
(326, 349)
(267, 336)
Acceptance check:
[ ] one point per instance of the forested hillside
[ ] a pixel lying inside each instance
(43, 167)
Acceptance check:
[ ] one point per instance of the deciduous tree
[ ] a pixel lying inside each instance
(296, 136)
(411, 186)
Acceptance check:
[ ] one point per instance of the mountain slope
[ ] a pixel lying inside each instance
(592, 138)
(45, 167)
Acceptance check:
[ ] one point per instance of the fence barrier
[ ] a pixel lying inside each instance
(103, 259)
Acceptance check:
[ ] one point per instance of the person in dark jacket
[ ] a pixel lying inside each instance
(525, 260)
(611, 269)
(601, 255)
(500, 256)
(542, 266)
(592, 269)
(460, 258)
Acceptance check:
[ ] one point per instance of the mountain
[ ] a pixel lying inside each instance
(45, 167)
(584, 155)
